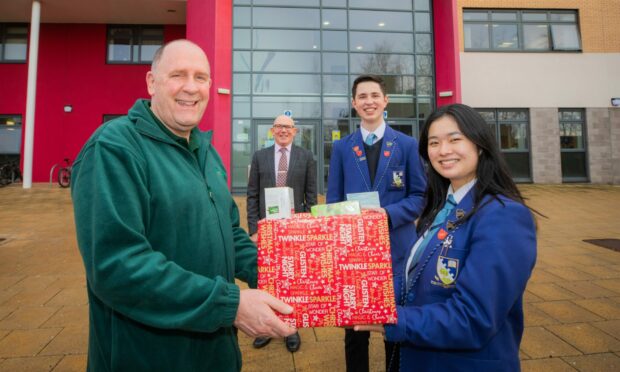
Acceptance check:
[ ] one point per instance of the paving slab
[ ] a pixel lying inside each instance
(586, 289)
(607, 362)
(28, 317)
(585, 337)
(551, 292)
(567, 312)
(601, 307)
(71, 363)
(30, 364)
(546, 365)
(539, 343)
(22, 343)
(611, 327)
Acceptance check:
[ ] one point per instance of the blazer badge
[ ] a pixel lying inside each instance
(447, 269)
(397, 179)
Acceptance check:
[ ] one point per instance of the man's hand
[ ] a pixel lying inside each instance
(370, 327)
(256, 317)
(254, 238)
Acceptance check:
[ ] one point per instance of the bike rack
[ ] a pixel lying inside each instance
(52, 172)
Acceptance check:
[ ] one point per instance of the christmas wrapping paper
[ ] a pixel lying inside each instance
(334, 271)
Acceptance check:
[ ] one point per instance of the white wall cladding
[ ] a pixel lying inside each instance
(540, 79)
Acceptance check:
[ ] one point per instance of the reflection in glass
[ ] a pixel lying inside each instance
(15, 49)
(571, 136)
(286, 17)
(381, 42)
(424, 65)
(476, 36)
(335, 63)
(241, 106)
(424, 85)
(302, 107)
(565, 37)
(241, 39)
(336, 107)
(401, 106)
(380, 21)
(535, 36)
(286, 61)
(241, 83)
(469, 15)
(518, 164)
(241, 130)
(423, 43)
(422, 22)
(287, 2)
(422, 4)
(399, 84)
(286, 84)
(425, 106)
(505, 36)
(571, 115)
(374, 4)
(286, 39)
(241, 16)
(334, 18)
(335, 40)
(335, 84)
(564, 17)
(512, 115)
(574, 166)
(513, 136)
(534, 16)
(148, 49)
(241, 61)
(382, 64)
(488, 115)
(241, 157)
(503, 16)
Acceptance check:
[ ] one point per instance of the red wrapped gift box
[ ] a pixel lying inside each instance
(335, 271)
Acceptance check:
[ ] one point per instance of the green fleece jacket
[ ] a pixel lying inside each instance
(159, 235)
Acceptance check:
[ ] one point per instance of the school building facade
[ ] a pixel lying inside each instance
(543, 73)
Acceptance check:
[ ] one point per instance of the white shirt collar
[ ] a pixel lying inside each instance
(278, 147)
(379, 132)
(461, 192)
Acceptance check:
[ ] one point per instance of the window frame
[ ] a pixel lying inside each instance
(583, 149)
(4, 35)
(137, 39)
(520, 23)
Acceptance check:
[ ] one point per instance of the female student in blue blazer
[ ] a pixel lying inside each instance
(460, 299)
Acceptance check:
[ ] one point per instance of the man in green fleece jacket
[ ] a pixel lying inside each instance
(159, 234)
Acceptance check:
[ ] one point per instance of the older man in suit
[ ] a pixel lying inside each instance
(283, 164)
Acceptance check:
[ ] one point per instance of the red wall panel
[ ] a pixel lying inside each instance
(72, 71)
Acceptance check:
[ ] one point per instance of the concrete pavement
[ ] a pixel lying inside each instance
(572, 300)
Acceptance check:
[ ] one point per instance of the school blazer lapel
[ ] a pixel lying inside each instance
(356, 147)
(388, 146)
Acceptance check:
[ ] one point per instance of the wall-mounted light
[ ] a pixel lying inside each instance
(68, 108)
(615, 101)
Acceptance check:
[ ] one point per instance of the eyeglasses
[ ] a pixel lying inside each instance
(283, 127)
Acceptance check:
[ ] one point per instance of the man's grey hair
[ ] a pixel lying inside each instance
(160, 51)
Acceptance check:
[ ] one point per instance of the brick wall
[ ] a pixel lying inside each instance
(599, 145)
(545, 141)
(598, 19)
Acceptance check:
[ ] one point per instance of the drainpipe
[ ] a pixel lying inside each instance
(33, 56)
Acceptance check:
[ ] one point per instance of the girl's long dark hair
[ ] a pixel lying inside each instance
(491, 173)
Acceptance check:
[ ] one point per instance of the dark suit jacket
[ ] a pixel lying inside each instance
(301, 178)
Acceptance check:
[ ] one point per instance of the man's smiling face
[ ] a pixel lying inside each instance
(179, 87)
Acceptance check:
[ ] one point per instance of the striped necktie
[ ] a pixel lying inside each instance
(282, 168)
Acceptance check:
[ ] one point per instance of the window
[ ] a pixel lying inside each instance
(134, 44)
(511, 128)
(10, 134)
(13, 42)
(573, 145)
(521, 30)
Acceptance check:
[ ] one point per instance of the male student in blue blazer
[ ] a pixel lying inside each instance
(377, 158)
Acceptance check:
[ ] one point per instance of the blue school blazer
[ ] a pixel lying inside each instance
(400, 181)
(464, 308)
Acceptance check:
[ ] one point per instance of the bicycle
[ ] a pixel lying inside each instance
(9, 173)
(64, 173)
